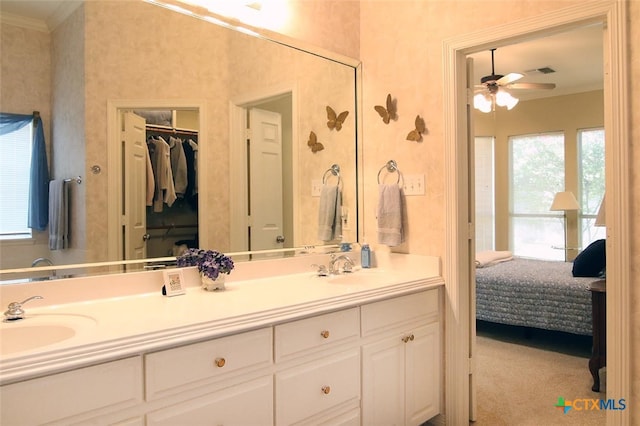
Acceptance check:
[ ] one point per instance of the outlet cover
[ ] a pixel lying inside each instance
(413, 184)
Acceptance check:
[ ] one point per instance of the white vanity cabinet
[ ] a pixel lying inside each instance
(401, 360)
(367, 357)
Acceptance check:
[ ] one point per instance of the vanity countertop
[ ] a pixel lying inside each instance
(121, 325)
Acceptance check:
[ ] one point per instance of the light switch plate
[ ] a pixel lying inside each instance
(316, 187)
(413, 184)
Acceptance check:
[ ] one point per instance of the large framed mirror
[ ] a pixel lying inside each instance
(109, 60)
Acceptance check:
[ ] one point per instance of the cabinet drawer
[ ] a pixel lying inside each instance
(99, 388)
(294, 338)
(167, 370)
(387, 314)
(312, 388)
(249, 403)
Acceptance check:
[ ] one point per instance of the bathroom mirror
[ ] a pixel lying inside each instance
(105, 62)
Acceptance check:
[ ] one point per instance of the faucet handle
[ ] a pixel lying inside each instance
(322, 270)
(14, 310)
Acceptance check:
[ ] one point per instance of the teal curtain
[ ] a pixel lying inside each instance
(39, 172)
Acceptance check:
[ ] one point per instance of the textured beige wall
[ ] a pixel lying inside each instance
(68, 132)
(23, 89)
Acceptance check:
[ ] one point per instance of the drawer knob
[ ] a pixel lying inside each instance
(325, 334)
(408, 338)
(220, 362)
(326, 390)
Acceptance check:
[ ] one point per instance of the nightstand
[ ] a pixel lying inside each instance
(599, 312)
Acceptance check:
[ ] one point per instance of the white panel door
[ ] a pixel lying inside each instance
(134, 182)
(265, 180)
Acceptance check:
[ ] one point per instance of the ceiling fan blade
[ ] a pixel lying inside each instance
(509, 78)
(537, 86)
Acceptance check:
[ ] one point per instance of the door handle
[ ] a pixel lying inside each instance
(280, 239)
(146, 237)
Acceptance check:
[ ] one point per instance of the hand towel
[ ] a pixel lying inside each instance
(390, 215)
(58, 215)
(329, 220)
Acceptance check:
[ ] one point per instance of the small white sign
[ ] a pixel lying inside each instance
(173, 282)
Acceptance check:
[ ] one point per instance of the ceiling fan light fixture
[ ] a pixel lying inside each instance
(505, 99)
(482, 102)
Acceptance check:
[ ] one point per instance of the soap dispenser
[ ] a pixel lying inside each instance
(365, 256)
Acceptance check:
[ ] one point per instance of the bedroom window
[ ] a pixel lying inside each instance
(15, 160)
(536, 173)
(591, 178)
(485, 193)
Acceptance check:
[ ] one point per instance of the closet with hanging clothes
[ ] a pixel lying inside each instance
(172, 181)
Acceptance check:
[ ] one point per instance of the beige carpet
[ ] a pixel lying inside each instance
(521, 377)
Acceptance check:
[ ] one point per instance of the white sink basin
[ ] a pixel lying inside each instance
(39, 331)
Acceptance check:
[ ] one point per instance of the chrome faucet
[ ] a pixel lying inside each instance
(15, 312)
(347, 265)
(46, 261)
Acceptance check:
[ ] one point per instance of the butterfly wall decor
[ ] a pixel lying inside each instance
(335, 121)
(416, 134)
(313, 143)
(389, 113)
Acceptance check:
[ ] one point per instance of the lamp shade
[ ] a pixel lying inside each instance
(564, 201)
(601, 217)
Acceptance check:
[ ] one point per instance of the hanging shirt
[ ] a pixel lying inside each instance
(165, 191)
(178, 166)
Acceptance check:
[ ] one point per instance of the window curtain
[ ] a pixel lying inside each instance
(39, 174)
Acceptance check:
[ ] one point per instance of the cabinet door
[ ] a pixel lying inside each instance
(249, 403)
(383, 370)
(422, 390)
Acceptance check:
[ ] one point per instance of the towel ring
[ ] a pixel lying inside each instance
(77, 180)
(391, 167)
(335, 171)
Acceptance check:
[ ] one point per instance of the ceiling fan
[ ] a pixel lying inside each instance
(492, 89)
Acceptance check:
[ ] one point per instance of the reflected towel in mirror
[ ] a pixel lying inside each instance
(390, 227)
(329, 216)
(58, 215)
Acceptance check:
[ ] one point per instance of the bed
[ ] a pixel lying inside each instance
(534, 293)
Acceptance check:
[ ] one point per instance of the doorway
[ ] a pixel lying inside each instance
(255, 161)
(457, 268)
(117, 214)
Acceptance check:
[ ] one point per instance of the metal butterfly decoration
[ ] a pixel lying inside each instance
(335, 121)
(389, 113)
(416, 134)
(313, 143)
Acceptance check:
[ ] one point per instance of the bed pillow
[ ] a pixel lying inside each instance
(591, 261)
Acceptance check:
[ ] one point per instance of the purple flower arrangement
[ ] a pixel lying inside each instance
(210, 263)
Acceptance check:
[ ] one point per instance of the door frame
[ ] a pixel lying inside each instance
(114, 172)
(238, 153)
(456, 272)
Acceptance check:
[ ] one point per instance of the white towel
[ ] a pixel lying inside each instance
(491, 257)
(329, 215)
(390, 215)
(58, 215)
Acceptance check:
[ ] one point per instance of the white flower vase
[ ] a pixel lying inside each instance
(210, 284)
